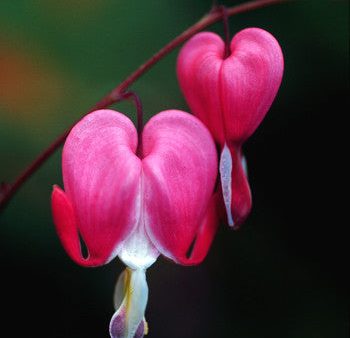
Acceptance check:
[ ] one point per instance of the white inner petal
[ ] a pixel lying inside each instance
(119, 291)
(226, 181)
(137, 251)
(130, 298)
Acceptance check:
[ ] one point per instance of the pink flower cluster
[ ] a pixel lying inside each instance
(139, 197)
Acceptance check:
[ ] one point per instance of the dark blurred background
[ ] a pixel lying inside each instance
(281, 276)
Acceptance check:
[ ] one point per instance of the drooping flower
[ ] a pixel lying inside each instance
(136, 199)
(231, 96)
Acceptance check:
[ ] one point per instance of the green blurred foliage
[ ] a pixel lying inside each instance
(281, 275)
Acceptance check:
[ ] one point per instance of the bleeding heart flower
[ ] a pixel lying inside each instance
(231, 96)
(136, 199)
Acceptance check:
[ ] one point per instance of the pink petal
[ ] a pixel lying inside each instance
(204, 237)
(66, 227)
(250, 78)
(101, 176)
(198, 69)
(179, 173)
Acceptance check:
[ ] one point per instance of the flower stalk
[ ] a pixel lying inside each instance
(7, 190)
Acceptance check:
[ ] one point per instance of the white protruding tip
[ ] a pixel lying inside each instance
(130, 300)
(226, 182)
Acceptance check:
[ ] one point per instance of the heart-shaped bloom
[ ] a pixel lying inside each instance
(136, 199)
(231, 96)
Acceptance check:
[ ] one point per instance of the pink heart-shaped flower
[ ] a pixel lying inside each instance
(231, 96)
(137, 206)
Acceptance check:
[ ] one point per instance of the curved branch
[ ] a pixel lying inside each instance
(8, 190)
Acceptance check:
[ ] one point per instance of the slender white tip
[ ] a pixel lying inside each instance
(131, 295)
(226, 181)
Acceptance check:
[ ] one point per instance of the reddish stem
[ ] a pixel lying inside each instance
(225, 20)
(139, 112)
(139, 109)
(226, 30)
(7, 191)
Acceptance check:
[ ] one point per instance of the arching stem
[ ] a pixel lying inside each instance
(139, 111)
(7, 190)
(225, 20)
